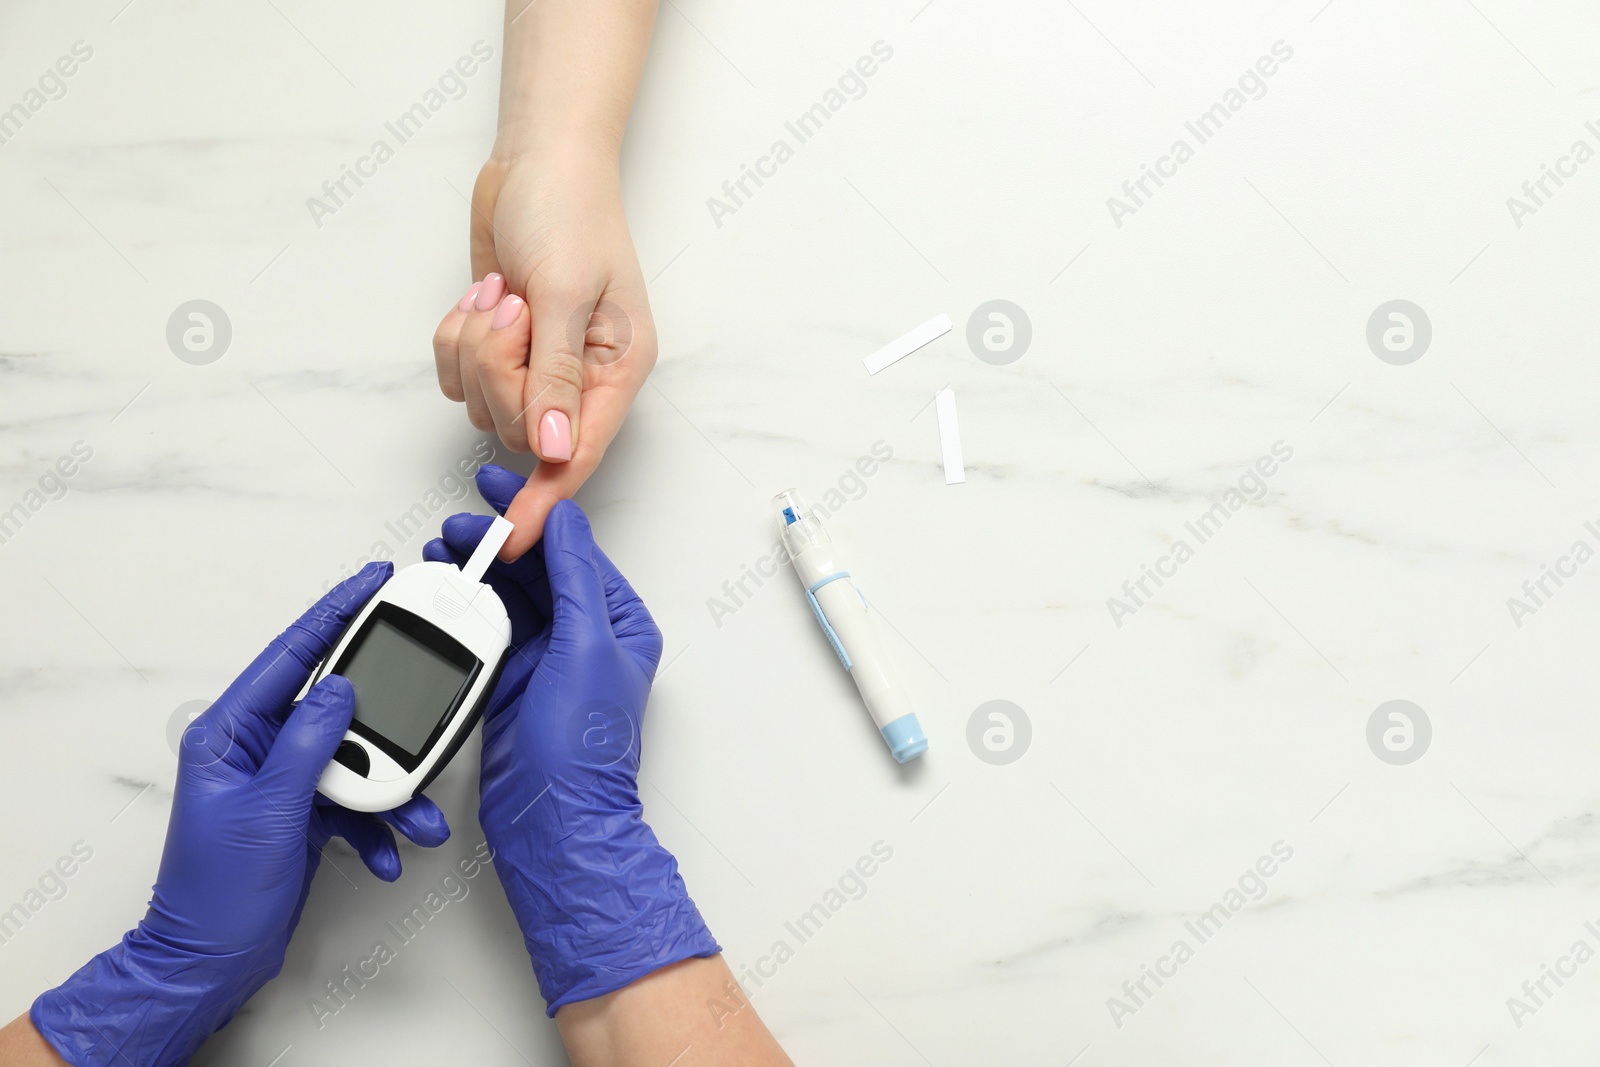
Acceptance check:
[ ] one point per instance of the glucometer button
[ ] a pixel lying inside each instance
(353, 756)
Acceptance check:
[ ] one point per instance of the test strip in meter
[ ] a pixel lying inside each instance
(494, 540)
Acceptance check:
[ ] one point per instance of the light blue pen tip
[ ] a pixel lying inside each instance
(905, 738)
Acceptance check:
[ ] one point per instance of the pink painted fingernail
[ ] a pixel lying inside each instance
(466, 301)
(489, 293)
(555, 436)
(507, 312)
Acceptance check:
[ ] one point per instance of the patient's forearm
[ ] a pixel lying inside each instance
(691, 1014)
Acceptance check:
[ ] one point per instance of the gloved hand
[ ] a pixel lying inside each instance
(244, 839)
(600, 902)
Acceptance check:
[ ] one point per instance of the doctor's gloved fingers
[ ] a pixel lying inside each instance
(371, 839)
(498, 486)
(631, 621)
(436, 551)
(256, 704)
(288, 776)
(577, 594)
(310, 637)
(420, 820)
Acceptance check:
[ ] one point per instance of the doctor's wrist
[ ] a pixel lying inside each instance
(591, 933)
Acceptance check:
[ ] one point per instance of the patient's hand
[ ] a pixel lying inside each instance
(551, 347)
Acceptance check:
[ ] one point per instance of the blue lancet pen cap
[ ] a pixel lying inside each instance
(905, 738)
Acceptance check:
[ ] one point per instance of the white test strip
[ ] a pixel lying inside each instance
(902, 347)
(944, 404)
(493, 540)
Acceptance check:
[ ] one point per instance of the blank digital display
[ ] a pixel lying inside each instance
(404, 688)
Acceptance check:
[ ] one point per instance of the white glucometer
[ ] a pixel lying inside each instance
(423, 657)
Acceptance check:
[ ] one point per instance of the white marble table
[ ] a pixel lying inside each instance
(1175, 341)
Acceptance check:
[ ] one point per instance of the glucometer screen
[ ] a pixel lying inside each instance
(408, 677)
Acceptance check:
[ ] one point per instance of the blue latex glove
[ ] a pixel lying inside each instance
(600, 902)
(243, 842)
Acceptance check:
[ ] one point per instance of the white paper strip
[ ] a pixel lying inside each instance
(494, 539)
(949, 437)
(902, 347)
